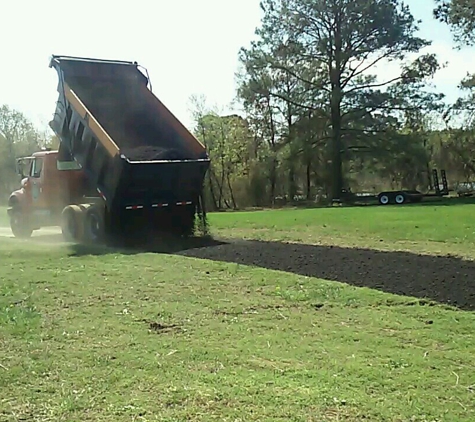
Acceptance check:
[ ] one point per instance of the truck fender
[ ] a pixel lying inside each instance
(16, 199)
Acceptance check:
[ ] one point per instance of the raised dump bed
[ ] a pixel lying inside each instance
(137, 156)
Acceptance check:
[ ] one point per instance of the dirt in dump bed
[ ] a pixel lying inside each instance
(151, 153)
(443, 279)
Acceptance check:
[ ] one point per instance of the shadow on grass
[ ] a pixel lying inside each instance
(163, 246)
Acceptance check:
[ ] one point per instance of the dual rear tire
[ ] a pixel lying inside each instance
(83, 223)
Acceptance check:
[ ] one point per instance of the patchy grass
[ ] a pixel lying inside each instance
(435, 229)
(147, 337)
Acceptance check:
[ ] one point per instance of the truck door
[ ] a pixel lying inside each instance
(36, 171)
(23, 166)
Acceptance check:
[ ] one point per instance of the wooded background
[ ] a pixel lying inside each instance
(316, 118)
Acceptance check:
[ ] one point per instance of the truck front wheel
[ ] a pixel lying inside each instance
(19, 224)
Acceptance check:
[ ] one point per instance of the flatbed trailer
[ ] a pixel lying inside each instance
(400, 197)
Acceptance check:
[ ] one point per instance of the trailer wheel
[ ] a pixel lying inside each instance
(19, 225)
(94, 225)
(71, 223)
(400, 198)
(383, 198)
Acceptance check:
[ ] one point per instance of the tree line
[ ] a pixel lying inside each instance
(320, 116)
(318, 120)
(19, 137)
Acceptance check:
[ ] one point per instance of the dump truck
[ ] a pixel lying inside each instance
(125, 164)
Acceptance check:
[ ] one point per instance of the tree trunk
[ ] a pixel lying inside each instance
(273, 180)
(308, 176)
(211, 190)
(336, 96)
(231, 193)
(337, 177)
(220, 198)
(273, 171)
(292, 185)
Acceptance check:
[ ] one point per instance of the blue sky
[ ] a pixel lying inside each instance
(188, 46)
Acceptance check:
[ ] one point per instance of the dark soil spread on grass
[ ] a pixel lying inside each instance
(443, 279)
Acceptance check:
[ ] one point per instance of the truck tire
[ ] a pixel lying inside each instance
(94, 229)
(72, 223)
(383, 199)
(400, 198)
(19, 224)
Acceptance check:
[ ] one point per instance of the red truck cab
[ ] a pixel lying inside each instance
(47, 186)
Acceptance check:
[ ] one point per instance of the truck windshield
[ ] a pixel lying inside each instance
(68, 165)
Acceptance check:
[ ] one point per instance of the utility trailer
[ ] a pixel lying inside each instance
(401, 197)
(125, 165)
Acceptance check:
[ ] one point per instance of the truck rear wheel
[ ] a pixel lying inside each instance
(94, 225)
(19, 224)
(72, 223)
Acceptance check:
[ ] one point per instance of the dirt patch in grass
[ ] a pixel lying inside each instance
(446, 280)
(158, 327)
(443, 279)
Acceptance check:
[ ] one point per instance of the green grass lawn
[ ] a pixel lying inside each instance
(435, 229)
(428, 228)
(86, 339)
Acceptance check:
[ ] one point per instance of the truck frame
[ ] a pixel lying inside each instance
(125, 166)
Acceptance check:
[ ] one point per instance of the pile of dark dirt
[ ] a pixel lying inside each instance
(443, 279)
(151, 153)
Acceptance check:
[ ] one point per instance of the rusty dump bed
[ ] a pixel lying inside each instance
(132, 148)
